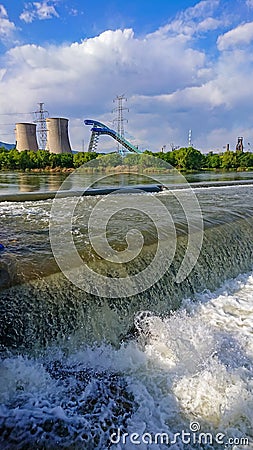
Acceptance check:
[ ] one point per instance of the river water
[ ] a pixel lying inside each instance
(83, 371)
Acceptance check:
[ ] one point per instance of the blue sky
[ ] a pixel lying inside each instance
(181, 64)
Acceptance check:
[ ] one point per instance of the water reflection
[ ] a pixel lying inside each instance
(29, 182)
(54, 182)
(15, 182)
(218, 176)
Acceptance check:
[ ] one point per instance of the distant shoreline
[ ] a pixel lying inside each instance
(124, 168)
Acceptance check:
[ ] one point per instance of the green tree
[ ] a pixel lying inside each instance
(13, 160)
(54, 160)
(25, 161)
(169, 157)
(66, 160)
(81, 158)
(188, 158)
(132, 159)
(111, 160)
(3, 157)
(245, 159)
(41, 159)
(229, 160)
(213, 160)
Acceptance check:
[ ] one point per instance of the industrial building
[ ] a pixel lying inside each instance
(57, 136)
(26, 137)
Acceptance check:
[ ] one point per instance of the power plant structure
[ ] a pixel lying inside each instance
(57, 135)
(56, 132)
(239, 145)
(26, 137)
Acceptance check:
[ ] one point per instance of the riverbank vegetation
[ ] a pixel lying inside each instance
(188, 158)
(42, 159)
(183, 159)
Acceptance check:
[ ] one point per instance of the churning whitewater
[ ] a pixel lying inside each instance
(191, 367)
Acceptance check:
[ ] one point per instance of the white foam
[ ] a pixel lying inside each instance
(195, 365)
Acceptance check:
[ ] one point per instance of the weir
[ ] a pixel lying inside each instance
(41, 311)
(103, 190)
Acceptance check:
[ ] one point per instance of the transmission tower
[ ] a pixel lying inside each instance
(190, 138)
(119, 120)
(40, 118)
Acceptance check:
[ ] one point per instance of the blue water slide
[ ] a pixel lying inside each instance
(94, 123)
(99, 128)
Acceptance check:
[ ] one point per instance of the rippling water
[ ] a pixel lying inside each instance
(77, 368)
(195, 365)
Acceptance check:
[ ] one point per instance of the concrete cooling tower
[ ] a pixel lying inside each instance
(57, 135)
(26, 136)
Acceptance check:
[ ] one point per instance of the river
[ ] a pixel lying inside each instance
(85, 371)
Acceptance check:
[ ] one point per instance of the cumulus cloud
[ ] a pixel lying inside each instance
(209, 24)
(6, 26)
(242, 34)
(198, 18)
(202, 9)
(27, 16)
(38, 10)
(115, 59)
(3, 12)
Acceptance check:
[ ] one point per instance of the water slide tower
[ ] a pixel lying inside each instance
(57, 135)
(26, 137)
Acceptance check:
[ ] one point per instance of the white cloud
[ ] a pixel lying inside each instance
(202, 9)
(6, 26)
(38, 10)
(193, 20)
(249, 3)
(27, 16)
(209, 24)
(45, 11)
(148, 64)
(242, 34)
(73, 12)
(3, 12)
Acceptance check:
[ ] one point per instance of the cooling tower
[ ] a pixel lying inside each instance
(57, 135)
(26, 136)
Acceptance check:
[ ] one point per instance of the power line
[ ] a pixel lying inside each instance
(16, 114)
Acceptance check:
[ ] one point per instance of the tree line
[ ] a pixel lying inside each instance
(42, 159)
(189, 158)
(185, 158)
